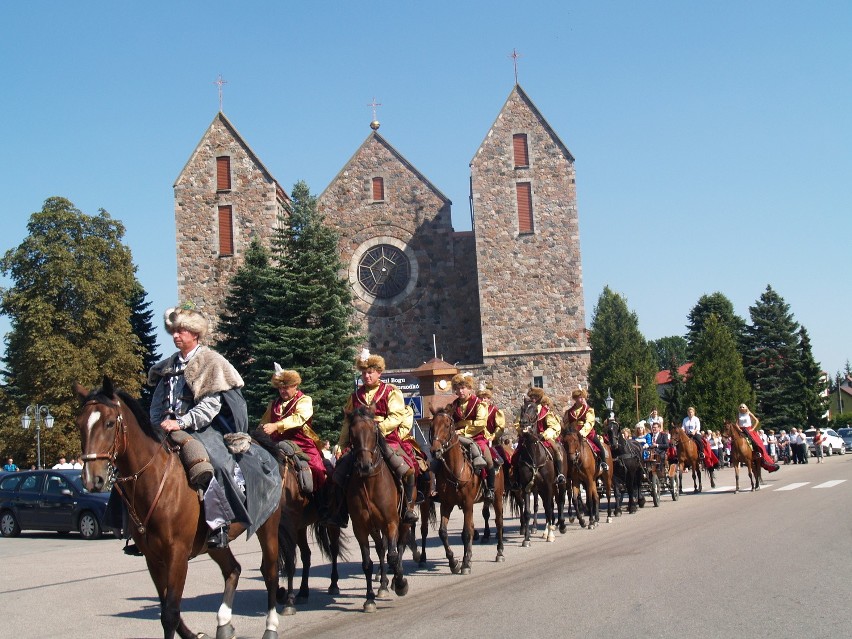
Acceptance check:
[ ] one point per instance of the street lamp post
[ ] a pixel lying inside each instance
(38, 414)
(610, 402)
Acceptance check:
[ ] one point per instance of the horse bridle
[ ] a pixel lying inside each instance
(112, 454)
(374, 453)
(446, 445)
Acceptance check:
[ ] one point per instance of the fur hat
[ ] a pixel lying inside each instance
(536, 393)
(366, 361)
(281, 378)
(463, 379)
(580, 392)
(186, 317)
(484, 393)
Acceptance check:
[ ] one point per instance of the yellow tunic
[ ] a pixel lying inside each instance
(552, 426)
(473, 422)
(399, 415)
(304, 410)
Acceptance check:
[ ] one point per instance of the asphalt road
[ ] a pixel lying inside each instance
(769, 564)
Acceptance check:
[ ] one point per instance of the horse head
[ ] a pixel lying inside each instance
(443, 432)
(613, 433)
(101, 433)
(572, 442)
(529, 415)
(364, 438)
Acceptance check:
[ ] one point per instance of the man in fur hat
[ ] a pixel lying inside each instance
(470, 415)
(395, 421)
(581, 417)
(550, 428)
(198, 391)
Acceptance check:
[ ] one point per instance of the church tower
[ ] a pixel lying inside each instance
(528, 254)
(224, 197)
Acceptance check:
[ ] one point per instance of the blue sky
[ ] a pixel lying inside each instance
(713, 140)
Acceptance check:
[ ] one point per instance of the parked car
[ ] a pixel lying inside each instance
(50, 500)
(832, 443)
(846, 436)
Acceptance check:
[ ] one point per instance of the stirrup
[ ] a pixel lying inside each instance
(604, 466)
(410, 516)
(488, 495)
(218, 538)
(560, 479)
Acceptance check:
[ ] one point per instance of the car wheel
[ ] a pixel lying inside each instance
(9, 525)
(828, 452)
(89, 526)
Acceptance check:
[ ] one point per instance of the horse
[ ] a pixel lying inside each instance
(627, 465)
(374, 499)
(458, 484)
(299, 512)
(582, 469)
(535, 475)
(118, 440)
(687, 457)
(742, 453)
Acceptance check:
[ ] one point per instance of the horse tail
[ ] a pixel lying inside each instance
(323, 540)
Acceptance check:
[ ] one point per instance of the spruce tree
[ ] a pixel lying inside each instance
(141, 321)
(620, 357)
(812, 383)
(721, 306)
(716, 384)
(70, 316)
(772, 362)
(668, 348)
(304, 316)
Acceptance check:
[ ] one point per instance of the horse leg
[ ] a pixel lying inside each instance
(445, 538)
(305, 555)
(560, 509)
(395, 543)
(334, 543)
(231, 573)
(467, 538)
(549, 515)
(170, 582)
(424, 531)
(525, 517)
(382, 548)
(486, 515)
(267, 534)
(287, 543)
(499, 489)
(736, 465)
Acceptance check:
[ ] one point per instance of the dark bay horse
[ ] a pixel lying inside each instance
(169, 525)
(374, 498)
(742, 453)
(298, 514)
(582, 470)
(459, 485)
(687, 457)
(535, 474)
(627, 466)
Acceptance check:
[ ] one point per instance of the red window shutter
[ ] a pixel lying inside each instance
(525, 215)
(226, 230)
(223, 173)
(378, 189)
(519, 144)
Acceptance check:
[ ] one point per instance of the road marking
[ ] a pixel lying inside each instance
(794, 486)
(722, 489)
(830, 484)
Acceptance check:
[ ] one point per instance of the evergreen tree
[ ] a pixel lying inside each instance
(716, 384)
(141, 321)
(772, 363)
(670, 348)
(813, 385)
(675, 395)
(70, 318)
(721, 306)
(620, 357)
(237, 323)
(301, 316)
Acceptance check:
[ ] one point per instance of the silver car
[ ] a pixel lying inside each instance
(832, 443)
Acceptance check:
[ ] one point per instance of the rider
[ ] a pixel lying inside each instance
(288, 418)
(394, 420)
(581, 417)
(470, 415)
(692, 427)
(198, 391)
(747, 422)
(549, 427)
(495, 423)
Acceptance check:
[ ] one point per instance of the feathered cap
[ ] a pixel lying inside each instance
(535, 393)
(366, 361)
(580, 392)
(282, 378)
(464, 379)
(186, 317)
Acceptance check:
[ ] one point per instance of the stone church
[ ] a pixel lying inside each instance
(503, 301)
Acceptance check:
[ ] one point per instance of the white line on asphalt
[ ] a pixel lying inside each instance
(794, 486)
(830, 484)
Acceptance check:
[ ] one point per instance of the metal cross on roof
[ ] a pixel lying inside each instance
(515, 55)
(374, 104)
(219, 81)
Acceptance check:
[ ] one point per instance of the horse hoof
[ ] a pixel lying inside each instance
(270, 634)
(465, 570)
(525, 543)
(226, 632)
(500, 558)
(608, 519)
(563, 529)
(455, 568)
(475, 535)
(550, 538)
(288, 611)
(402, 589)
(382, 593)
(369, 606)
(333, 590)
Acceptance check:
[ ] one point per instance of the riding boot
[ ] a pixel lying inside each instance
(557, 462)
(600, 457)
(218, 537)
(424, 486)
(409, 495)
(488, 495)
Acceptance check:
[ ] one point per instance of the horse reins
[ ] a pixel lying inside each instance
(451, 442)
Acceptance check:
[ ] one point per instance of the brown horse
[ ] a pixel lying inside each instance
(459, 485)
(688, 457)
(742, 453)
(298, 513)
(535, 475)
(583, 471)
(374, 498)
(169, 525)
